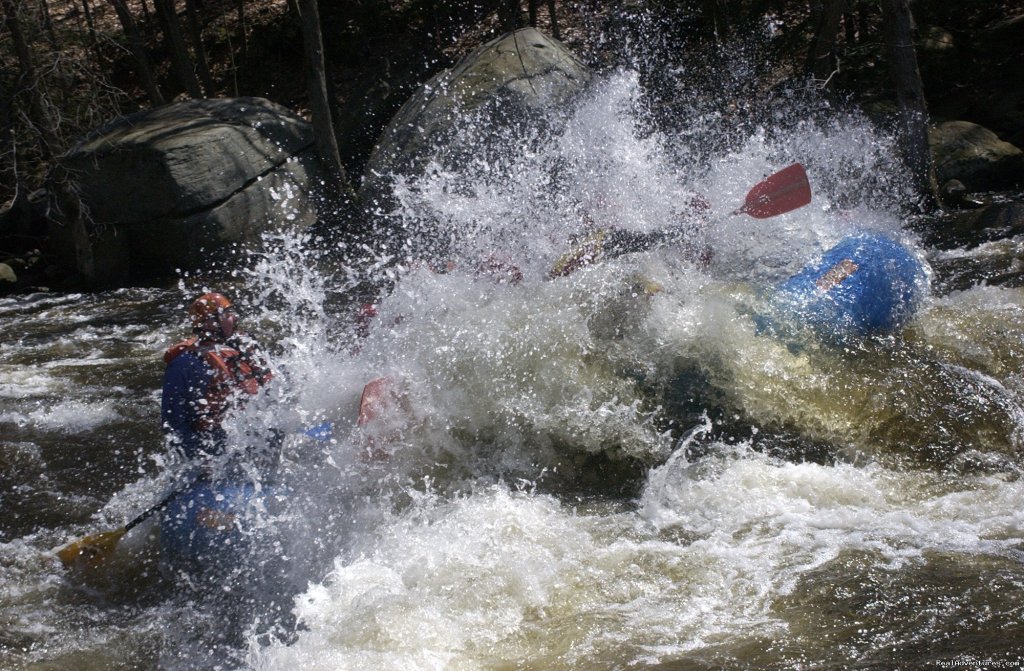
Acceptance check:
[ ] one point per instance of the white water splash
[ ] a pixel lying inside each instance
(510, 380)
(519, 579)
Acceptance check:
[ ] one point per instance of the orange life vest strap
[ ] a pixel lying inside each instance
(232, 371)
(176, 350)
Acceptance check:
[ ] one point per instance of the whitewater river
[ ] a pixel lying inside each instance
(612, 470)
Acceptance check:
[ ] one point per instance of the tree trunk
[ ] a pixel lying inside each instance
(91, 27)
(48, 23)
(40, 113)
(850, 27)
(138, 49)
(863, 20)
(196, 30)
(913, 109)
(320, 104)
(180, 59)
(828, 14)
(243, 31)
(554, 20)
(716, 16)
(508, 15)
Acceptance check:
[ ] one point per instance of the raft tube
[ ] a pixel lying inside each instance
(866, 285)
(212, 525)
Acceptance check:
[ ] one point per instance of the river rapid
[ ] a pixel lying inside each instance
(611, 470)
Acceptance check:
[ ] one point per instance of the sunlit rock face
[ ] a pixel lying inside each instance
(163, 187)
(515, 82)
(974, 155)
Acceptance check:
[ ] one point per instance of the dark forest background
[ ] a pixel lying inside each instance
(68, 66)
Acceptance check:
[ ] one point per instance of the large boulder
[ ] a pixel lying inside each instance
(976, 156)
(515, 79)
(170, 188)
(970, 228)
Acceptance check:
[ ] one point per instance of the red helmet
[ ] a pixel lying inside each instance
(208, 305)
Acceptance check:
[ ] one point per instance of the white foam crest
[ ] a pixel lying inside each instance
(799, 515)
(69, 416)
(439, 587)
(516, 579)
(520, 578)
(621, 177)
(21, 382)
(284, 303)
(597, 170)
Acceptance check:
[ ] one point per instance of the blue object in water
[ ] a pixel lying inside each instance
(322, 431)
(211, 525)
(868, 284)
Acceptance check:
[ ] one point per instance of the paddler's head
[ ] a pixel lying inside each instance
(213, 317)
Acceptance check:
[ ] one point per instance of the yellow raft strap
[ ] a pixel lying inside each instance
(586, 252)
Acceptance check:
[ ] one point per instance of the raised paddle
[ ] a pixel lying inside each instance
(93, 551)
(782, 192)
(785, 191)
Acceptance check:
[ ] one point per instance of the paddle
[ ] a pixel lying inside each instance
(93, 551)
(782, 192)
(785, 191)
(379, 398)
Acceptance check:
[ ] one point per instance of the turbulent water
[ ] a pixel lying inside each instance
(611, 470)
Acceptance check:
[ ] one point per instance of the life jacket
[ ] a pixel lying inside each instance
(233, 369)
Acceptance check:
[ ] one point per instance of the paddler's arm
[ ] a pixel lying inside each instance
(612, 243)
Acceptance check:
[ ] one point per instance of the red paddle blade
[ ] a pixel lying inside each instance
(384, 412)
(382, 397)
(782, 192)
(379, 398)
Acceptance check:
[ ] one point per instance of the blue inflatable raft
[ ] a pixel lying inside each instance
(213, 525)
(868, 284)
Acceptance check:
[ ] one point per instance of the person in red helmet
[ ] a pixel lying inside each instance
(206, 375)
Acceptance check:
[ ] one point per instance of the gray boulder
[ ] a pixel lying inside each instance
(975, 156)
(972, 227)
(997, 224)
(164, 188)
(518, 78)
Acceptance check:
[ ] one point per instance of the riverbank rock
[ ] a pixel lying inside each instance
(975, 156)
(513, 80)
(998, 225)
(970, 228)
(163, 189)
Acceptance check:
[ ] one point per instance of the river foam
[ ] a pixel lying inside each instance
(614, 469)
(510, 577)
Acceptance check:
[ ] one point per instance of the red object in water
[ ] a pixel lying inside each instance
(777, 194)
(380, 398)
(364, 315)
(500, 269)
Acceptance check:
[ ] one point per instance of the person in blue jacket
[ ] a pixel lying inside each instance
(206, 375)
